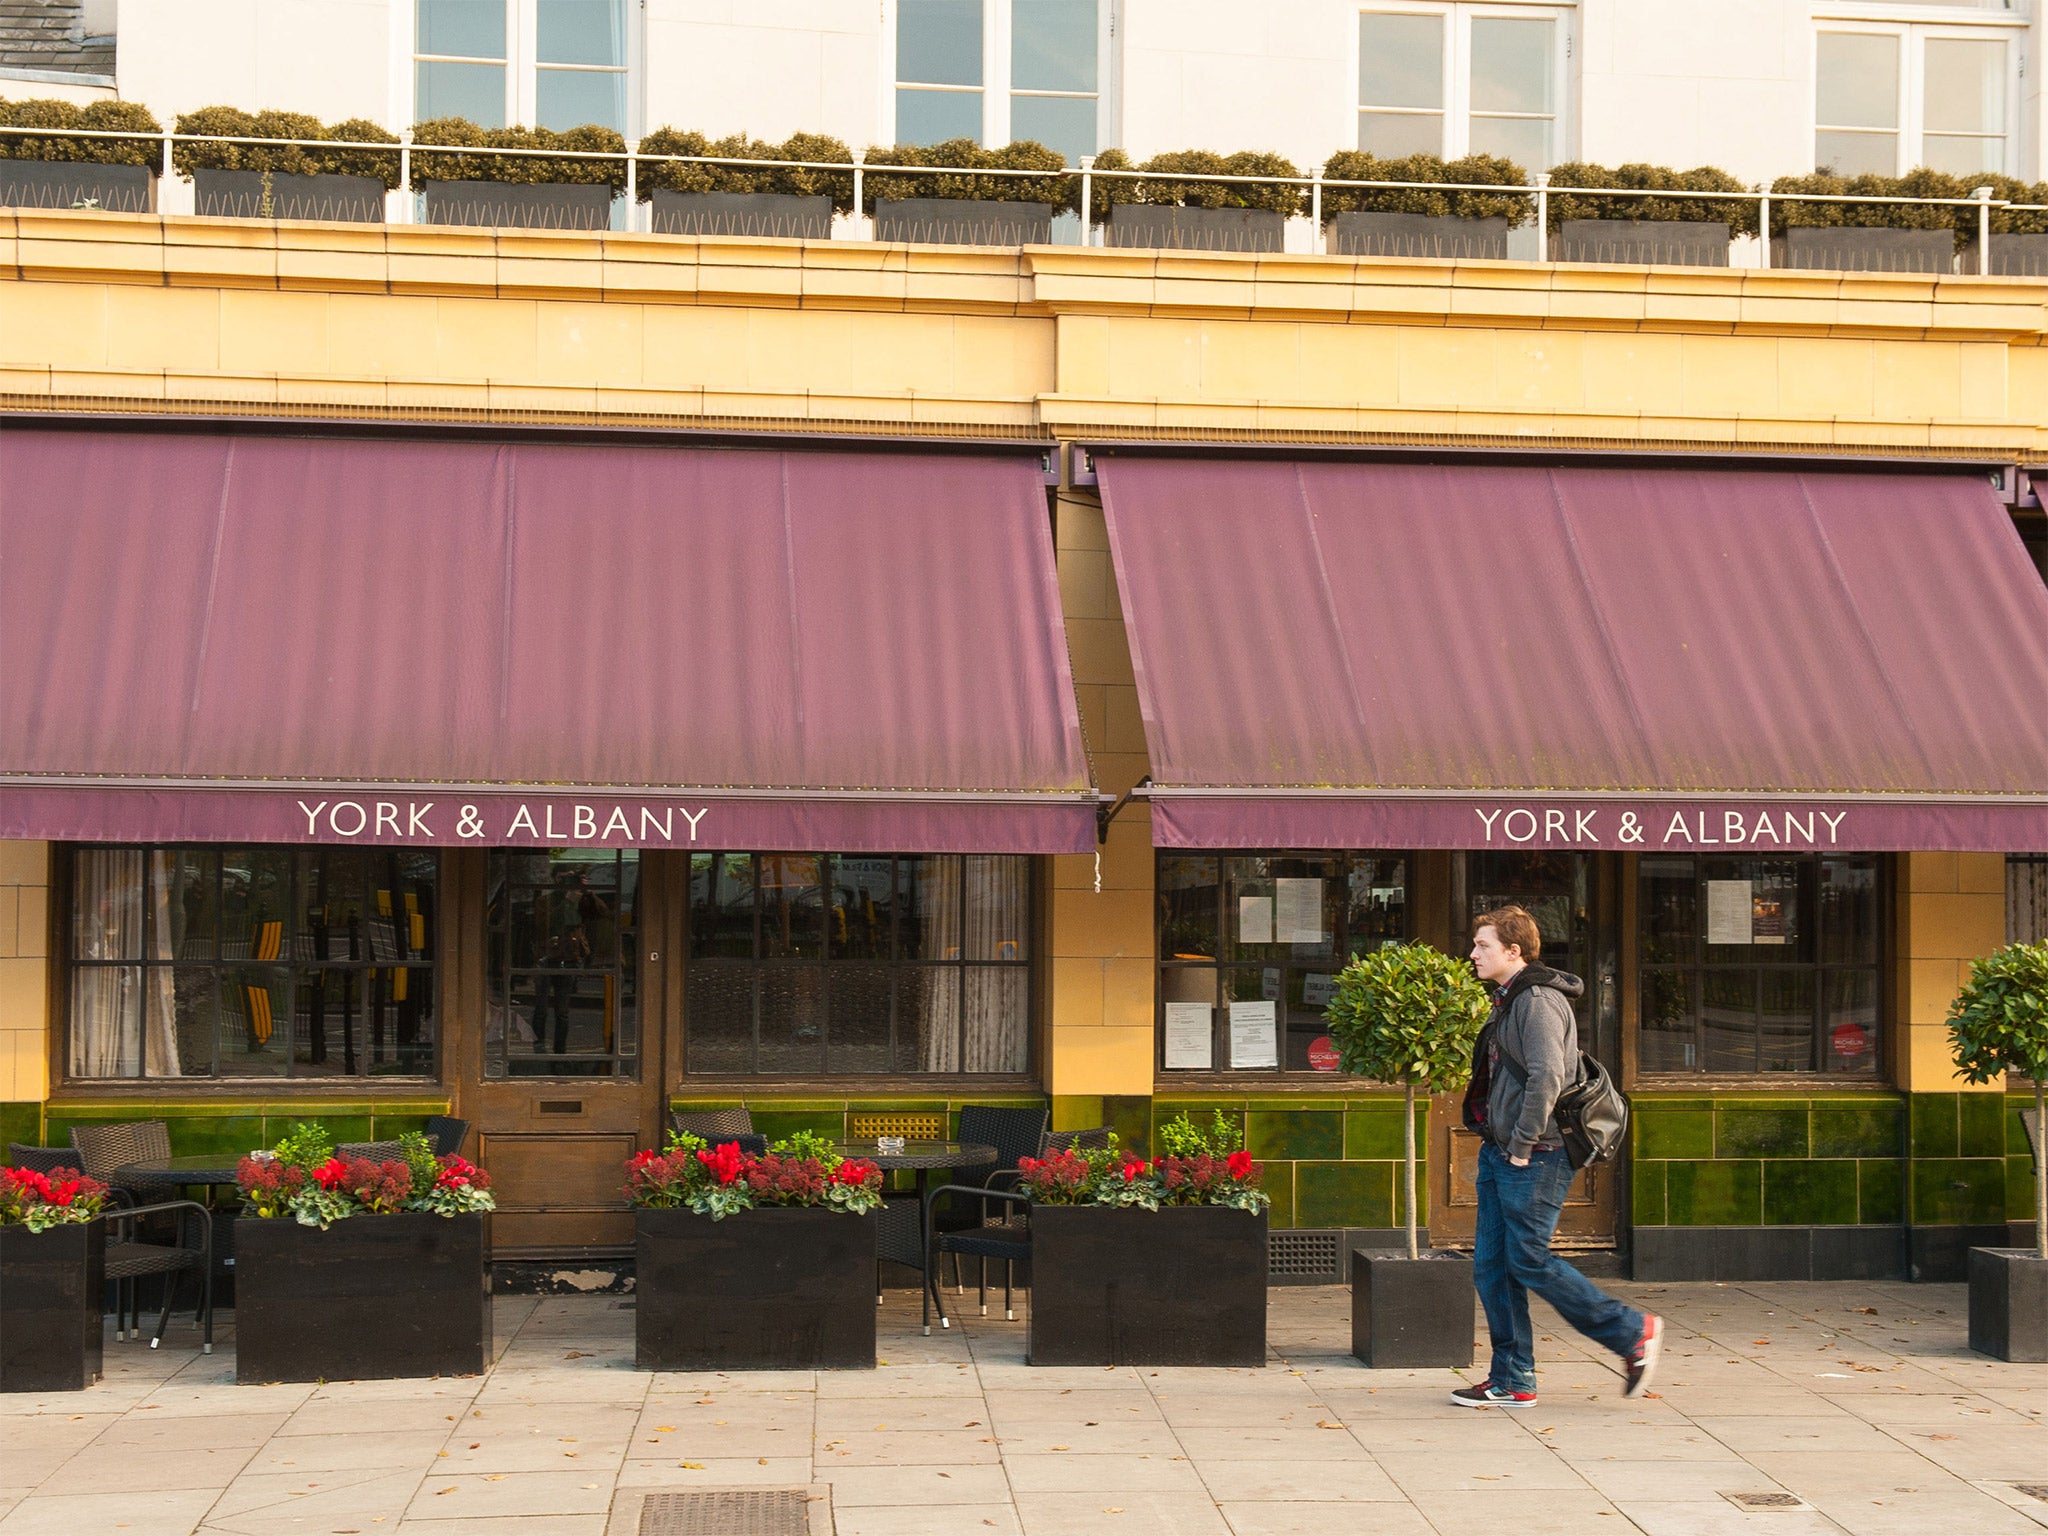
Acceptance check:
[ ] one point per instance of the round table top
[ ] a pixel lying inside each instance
(192, 1168)
(922, 1154)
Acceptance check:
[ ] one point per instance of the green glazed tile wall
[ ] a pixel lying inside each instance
(240, 1126)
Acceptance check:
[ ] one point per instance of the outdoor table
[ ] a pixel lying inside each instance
(919, 1157)
(212, 1169)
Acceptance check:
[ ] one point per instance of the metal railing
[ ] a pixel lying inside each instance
(1983, 200)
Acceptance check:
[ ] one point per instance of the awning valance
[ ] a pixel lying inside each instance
(276, 638)
(1361, 654)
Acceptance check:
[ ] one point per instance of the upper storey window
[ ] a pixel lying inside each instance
(550, 63)
(998, 70)
(1455, 80)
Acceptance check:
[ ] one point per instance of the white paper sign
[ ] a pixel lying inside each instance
(1316, 989)
(1731, 911)
(1298, 911)
(1254, 1035)
(1190, 1039)
(1254, 919)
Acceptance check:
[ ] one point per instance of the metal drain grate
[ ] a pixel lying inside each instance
(1766, 1501)
(1305, 1255)
(747, 1512)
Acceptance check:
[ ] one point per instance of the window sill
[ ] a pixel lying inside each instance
(716, 1084)
(281, 1090)
(1788, 1082)
(1307, 1084)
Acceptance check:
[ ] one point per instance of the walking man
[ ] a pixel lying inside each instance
(1526, 1056)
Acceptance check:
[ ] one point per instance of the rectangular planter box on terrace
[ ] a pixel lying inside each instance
(962, 221)
(1865, 250)
(50, 1285)
(66, 184)
(761, 215)
(511, 205)
(1642, 242)
(1181, 1286)
(372, 1297)
(1425, 235)
(285, 195)
(1158, 227)
(760, 1290)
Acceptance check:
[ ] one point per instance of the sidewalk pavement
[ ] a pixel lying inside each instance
(1860, 1400)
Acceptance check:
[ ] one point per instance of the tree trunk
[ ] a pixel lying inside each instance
(2040, 1167)
(1408, 1148)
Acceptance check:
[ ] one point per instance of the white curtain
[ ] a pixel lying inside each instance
(975, 908)
(2026, 898)
(938, 913)
(121, 1024)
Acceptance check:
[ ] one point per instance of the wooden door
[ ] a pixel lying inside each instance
(565, 1012)
(1573, 897)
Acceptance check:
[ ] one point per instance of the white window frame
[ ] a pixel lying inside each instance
(1911, 108)
(997, 23)
(1457, 59)
(522, 63)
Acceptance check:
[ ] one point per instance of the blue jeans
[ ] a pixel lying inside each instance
(1518, 1211)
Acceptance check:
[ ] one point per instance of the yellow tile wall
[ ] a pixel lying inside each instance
(1951, 910)
(24, 990)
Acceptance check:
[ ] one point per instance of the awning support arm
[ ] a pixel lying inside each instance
(1106, 813)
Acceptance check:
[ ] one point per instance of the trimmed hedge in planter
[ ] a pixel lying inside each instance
(773, 1288)
(289, 181)
(1901, 237)
(1432, 222)
(517, 191)
(964, 208)
(786, 202)
(110, 175)
(1152, 227)
(370, 1297)
(50, 1285)
(1668, 231)
(1183, 1285)
(1197, 215)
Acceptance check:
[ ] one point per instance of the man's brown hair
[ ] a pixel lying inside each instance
(1514, 927)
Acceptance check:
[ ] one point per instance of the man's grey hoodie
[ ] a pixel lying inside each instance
(1533, 1027)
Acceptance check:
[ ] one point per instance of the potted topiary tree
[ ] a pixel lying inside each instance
(525, 191)
(1655, 231)
(1173, 215)
(1409, 1014)
(1438, 222)
(58, 171)
(1999, 1024)
(292, 180)
(784, 201)
(1870, 237)
(967, 209)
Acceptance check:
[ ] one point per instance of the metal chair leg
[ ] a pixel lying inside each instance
(163, 1318)
(981, 1264)
(1009, 1306)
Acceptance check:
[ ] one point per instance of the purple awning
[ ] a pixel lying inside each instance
(314, 638)
(1345, 654)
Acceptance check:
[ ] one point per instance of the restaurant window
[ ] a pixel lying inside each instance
(1458, 80)
(2026, 898)
(1890, 98)
(260, 962)
(811, 964)
(1760, 965)
(1250, 946)
(551, 63)
(1050, 52)
(564, 963)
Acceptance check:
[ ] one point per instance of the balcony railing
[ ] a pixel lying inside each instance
(1307, 235)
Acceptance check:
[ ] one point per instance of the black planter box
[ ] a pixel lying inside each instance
(371, 1297)
(1157, 227)
(1427, 235)
(1181, 1286)
(762, 1290)
(284, 195)
(64, 184)
(2011, 256)
(1865, 250)
(1642, 242)
(50, 1285)
(962, 221)
(762, 215)
(2009, 1304)
(1411, 1314)
(509, 205)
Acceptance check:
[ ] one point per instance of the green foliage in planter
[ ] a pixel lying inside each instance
(1739, 214)
(1024, 155)
(287, 159)
(789, 180)
(1279, 196)
(518, 170)
(1408, 1014)
(1999, 1024)
(1482, 170)
(102, 116)
(1788, 212)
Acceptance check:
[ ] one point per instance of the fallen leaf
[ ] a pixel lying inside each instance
(1112, 1509)
(694, 1466)
(1329, 1423)
(438, 1492)
(1069, 1447)
(494, 1477)
(577, 1354)
(763, 1460)
(664, 1429)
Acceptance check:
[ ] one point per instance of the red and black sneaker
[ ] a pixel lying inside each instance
(1487, 1395)
(1642, 1360)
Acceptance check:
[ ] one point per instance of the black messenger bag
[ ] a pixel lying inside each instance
(1591, 1114)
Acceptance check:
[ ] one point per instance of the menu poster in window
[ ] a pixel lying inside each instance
(1731, 909)
(1298, 911)
(1254, 1035)
(1254, 919)
(1190, 1040)
(1317, 989)
(1767, 920)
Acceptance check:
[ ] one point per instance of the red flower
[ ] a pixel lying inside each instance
(725, 1161)
(1239, 1163)
(458, 1172)
(332, 1174)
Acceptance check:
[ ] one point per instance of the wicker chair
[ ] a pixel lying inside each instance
(1015, 1134)
(129, 1257)
(447, 1134)
(375, 1151)
(1006, 1237)
(714, 1125)
(104, 1150)
(41, 1159)
(1095, 1137)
